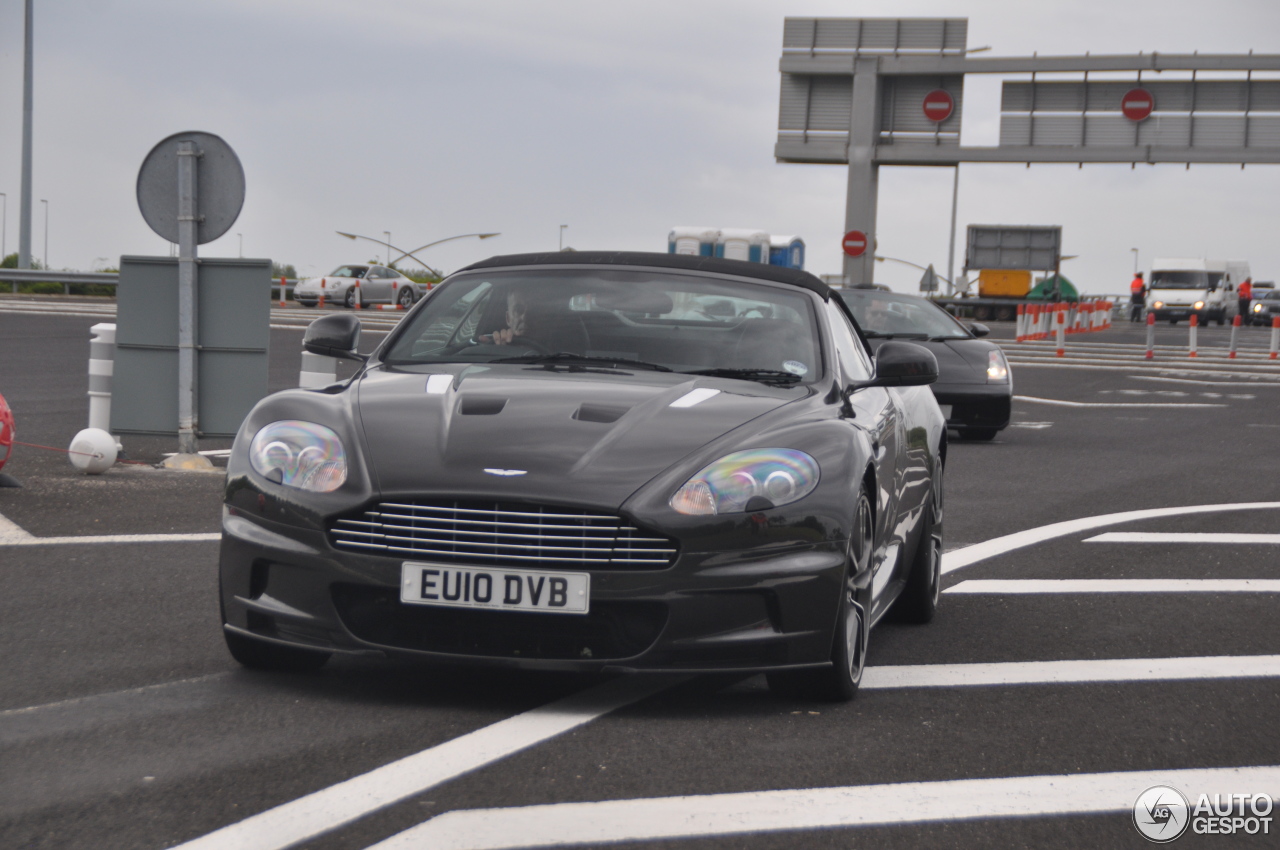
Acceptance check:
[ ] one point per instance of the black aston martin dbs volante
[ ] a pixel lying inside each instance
(599, 462)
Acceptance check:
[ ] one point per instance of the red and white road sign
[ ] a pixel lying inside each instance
(854, 243)
(1137, 104)
(938, 106)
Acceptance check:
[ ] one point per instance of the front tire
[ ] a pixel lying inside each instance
(839, 682)
(349, 300)
(260, 655)
(405, 298)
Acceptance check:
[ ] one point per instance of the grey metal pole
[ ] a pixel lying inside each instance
(24, 202)
(387, 233)
(951, 252)
(864, 172)
(188, 415)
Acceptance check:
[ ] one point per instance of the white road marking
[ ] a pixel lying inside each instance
(1183, 537)
(13, 534)
(332, 807)
(1117, 585)
(564, 824)
(1061, 403)
(960, 558)
(1071, 672)
(1035, 426)
(32, 540)
(1250, 384)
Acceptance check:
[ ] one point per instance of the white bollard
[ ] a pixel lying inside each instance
(102, 356)
(317, 371)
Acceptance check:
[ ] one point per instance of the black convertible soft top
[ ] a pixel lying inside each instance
(795, 277)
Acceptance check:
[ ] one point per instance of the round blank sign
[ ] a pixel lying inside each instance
(219, 187)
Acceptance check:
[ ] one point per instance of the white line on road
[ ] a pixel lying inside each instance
(1061, 403)
(332, 807)
(1183, 537)
(960, 558)
(1071, 672)
(1117, 585)
(32, 540)
(1249, 384)
(563, 824)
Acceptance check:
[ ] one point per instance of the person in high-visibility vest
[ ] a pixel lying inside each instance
(1245, 294)
(1137, 297)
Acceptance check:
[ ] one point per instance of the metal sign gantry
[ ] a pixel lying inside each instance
(868, 92)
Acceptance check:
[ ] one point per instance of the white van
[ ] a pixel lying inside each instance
(1180, 288)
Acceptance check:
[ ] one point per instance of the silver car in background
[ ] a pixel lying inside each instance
(377, 285)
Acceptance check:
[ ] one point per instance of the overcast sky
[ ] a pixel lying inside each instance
(621, 119)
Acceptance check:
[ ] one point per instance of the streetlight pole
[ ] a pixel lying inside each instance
(562, 227)
(24, 201)
(404, 253)
(46, 232)
(387, 233)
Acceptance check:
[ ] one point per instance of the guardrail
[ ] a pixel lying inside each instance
(67, 279)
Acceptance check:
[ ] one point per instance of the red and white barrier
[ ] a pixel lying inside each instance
(282, 291)
(1275, 336)
(1195, 324)
(1235, 328)
(386, 306)
(1151, 335)
(1060, 320)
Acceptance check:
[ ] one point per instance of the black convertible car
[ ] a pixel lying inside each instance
(974, 386)
(597, 462)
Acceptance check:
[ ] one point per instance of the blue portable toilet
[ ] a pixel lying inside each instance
(696, 241)
(786, 251)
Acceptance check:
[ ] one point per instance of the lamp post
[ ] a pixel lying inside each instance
(46, 232)
(404, 253)
(387, 233)
(562, 227)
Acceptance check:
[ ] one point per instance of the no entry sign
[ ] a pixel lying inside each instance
(938, 106)
(1137, 104)
(854, 243)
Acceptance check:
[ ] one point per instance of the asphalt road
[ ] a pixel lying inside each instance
(124, 723)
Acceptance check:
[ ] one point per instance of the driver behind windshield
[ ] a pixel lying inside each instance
(518, 324)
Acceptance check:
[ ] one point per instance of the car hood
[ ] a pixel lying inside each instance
(522, 431)
(960, 361)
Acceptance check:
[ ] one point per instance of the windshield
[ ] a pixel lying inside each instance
(349, 271)
(1181, 280)
(580, 318)
(887, 314)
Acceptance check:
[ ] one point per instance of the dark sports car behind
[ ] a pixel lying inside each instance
(974, 386)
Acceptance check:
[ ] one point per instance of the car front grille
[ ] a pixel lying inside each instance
(502, 533)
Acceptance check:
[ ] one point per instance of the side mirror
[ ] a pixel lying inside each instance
(978, 329)
(334, 336)
(902, 364)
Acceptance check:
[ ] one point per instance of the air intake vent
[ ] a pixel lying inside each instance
(502, 533)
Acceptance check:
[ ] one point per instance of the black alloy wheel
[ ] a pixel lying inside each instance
(839, 682)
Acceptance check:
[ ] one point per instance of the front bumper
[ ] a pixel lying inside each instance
(976, 405)
(771, 607)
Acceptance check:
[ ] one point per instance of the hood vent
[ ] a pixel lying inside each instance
(482, 405)
(605, 413)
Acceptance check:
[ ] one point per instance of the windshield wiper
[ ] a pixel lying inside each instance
(764, 376)
(569, 356)
(895, 335)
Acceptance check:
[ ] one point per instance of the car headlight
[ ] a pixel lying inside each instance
(299, 454)
(1156, 305)
(1199, 305)
(1257, 308)
(757, 479)
(997, 366)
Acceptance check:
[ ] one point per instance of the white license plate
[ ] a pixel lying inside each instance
(946, 410)
(494, 589)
